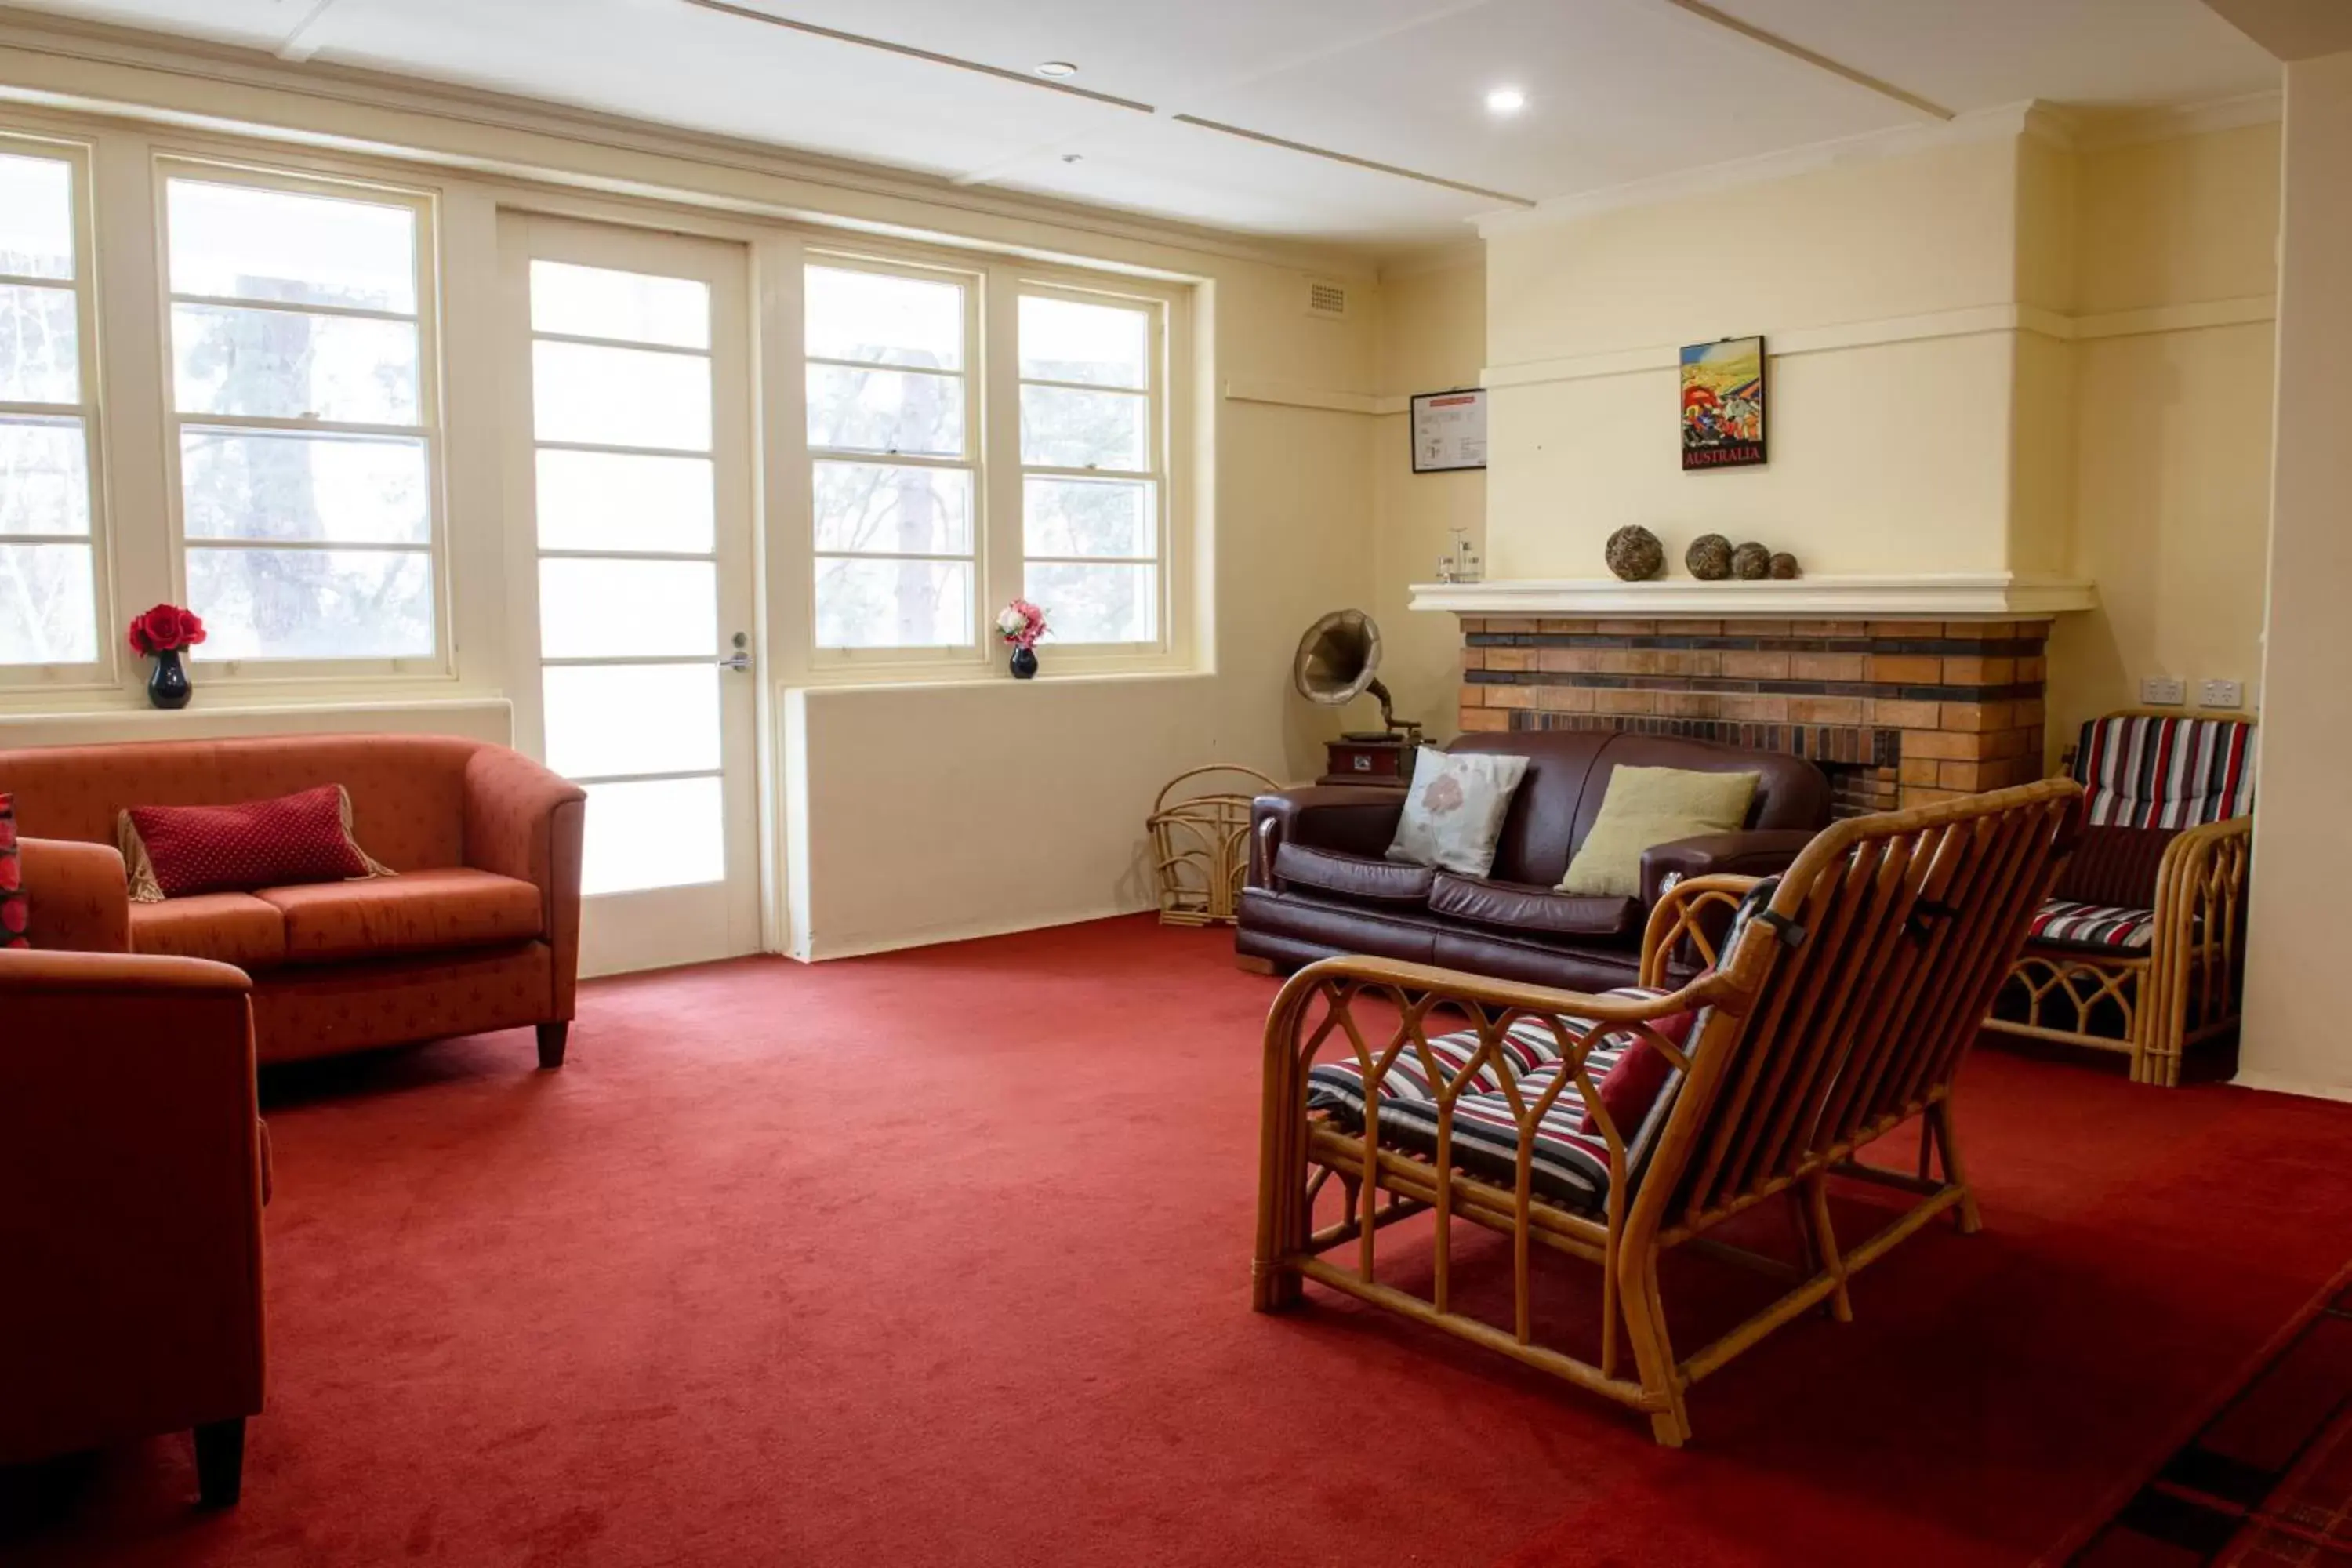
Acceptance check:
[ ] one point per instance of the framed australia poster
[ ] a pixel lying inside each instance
(1722, 404)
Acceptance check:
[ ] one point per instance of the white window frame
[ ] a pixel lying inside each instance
(424, 205)
(993, 410)
(974, 460)
(1155, 392)
(104, 670)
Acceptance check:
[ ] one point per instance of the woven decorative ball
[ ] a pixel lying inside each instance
(1634, 553)
(1709, 558)
(1750, 562)
(1784, 565)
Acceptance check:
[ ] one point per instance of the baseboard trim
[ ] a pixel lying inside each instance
(2277, 1083)
(822, 950)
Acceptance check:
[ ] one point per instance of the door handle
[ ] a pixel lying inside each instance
(739, 661)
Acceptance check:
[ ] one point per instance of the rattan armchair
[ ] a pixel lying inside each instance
(2140, 948)
(1844, 998)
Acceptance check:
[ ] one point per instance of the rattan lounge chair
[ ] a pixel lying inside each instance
(1847, 994)
(2140, 946)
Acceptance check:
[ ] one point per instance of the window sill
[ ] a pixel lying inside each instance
(1002, 681)
(97, 720)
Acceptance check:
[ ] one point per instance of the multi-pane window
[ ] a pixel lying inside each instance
(892, 450)
(304, 407)
(1092, 535)
(49, 611)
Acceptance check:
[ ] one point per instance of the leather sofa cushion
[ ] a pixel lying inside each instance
(328, 923)
(1353, 877)
(1514, 906)
(228, 928)
(1576, 963)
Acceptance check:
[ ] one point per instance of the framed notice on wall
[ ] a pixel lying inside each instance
(1449, 430)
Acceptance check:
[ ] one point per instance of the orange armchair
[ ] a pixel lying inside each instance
(130, 1159)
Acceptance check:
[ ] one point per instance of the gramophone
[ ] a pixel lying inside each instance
(1337, 659)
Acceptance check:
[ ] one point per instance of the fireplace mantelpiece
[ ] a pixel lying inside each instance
(1933, 596)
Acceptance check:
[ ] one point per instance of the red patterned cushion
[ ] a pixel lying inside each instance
(191, 849)
(16, 909)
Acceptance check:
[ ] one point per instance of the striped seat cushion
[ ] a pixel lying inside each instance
(1570, 1165)
(2100, 928)
(2146, 771)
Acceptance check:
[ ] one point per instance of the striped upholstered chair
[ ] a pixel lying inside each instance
(2140, 949)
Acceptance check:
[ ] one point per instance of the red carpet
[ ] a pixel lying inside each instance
(942, 1258)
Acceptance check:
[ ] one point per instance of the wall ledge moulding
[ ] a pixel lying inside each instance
(1328, 398)
(1973, 321)
(1928, 597)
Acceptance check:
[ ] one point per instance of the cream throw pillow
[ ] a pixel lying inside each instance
(1453, 813)
(1645, 806)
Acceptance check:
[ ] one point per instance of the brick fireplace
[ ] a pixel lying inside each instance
(1898, 712)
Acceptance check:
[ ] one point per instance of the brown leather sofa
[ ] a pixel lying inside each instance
(479, 930)
(1318, 884)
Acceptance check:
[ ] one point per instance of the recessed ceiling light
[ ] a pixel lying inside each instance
(1057, 67)
(1505, 101)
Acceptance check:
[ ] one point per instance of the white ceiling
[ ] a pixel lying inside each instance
(1619, 91)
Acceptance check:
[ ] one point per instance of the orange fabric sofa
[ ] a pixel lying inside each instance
(131, 1160)
(479, 930)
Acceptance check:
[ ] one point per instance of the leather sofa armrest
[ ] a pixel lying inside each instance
(1756, 852)
(1354, 819)
(79, 900)
(131, 1150)
(525, 822)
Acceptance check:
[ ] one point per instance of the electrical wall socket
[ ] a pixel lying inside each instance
(2163, 692)
(2221, 694)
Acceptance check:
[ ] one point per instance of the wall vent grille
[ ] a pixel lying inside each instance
(1328, 300)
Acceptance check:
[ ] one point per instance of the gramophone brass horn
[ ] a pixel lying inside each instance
(1337, 661)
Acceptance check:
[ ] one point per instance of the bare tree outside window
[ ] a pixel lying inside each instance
(300, 378)
(48, 611)
(893, 485)
(1091, 491)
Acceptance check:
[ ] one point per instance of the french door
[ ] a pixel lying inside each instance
(633, 458)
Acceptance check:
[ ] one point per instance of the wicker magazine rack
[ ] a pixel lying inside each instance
(1199, 844)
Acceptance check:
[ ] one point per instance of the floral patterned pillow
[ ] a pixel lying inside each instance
(15, 910)
(1453, 813)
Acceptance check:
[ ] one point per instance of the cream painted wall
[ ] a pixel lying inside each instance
(2294, 1037)
(1885, 458)
(917, 813)
(1861, 242)
(1431, 337)
(928, 812)
(1879, 287)
(2003, 355)
(924, 812)
(2173, 420)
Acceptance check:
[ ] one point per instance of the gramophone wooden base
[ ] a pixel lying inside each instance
(1366, 760)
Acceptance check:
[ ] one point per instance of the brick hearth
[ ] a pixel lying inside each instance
(1898, 712)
